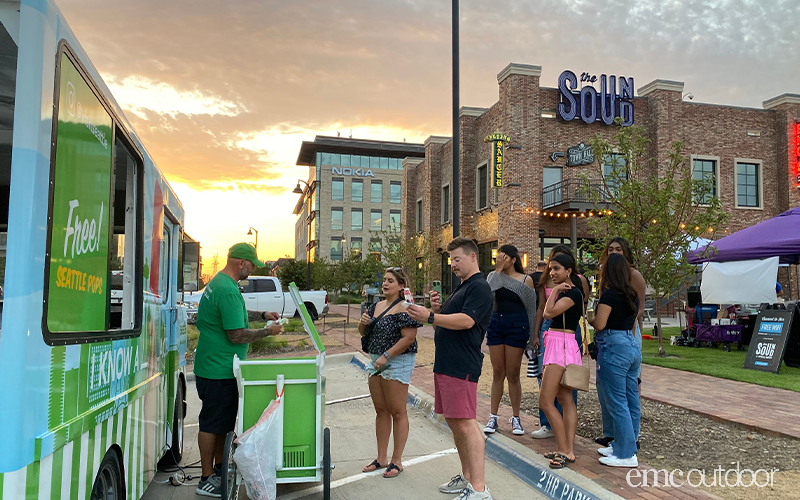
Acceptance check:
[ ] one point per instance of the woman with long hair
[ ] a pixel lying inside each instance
(509, 331)
(392, 350)
(564, 308)
(620, 245)
(618, 360)
(543, 289)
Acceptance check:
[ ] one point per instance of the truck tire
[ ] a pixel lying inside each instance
(175, 452)
(108, 483)
(312, 311)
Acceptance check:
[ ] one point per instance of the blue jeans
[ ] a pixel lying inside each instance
(608, 424)
(618, 360)
(545, 325)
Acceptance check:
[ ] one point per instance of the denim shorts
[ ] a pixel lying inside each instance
(399, 367)
(511, 329)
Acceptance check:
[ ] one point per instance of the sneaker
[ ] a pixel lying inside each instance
(517, 426)
(542, 432)
(469, 493)
(456, 485)
(608, 451)
(613, 461)
(218, 470)
(603, 441)
(211, 487)
(492, 426)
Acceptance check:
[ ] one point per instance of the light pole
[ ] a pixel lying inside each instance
(298, 190)
(250, 233)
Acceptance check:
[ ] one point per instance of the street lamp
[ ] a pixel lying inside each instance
(298, 190)
(250, 233)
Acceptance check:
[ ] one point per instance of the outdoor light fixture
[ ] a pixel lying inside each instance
(250, 233)
(688, 95)
(298, 189)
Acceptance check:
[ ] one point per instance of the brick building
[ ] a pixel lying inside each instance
(752, 155)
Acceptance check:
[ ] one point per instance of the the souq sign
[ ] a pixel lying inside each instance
(591, 105)
(498, 141)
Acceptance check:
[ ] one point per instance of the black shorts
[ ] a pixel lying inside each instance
(220, 404)
(508, 329)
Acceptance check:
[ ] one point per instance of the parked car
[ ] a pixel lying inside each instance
(265, 293)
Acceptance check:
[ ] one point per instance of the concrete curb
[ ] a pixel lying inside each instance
(521, 461)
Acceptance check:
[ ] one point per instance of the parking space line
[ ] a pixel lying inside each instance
(363, 475)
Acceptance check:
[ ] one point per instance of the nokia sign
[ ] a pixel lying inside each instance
(591, 105)
(357, 172)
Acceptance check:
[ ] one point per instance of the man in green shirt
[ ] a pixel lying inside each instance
(224, 332)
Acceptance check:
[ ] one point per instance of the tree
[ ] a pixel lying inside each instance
(660, 213)
(408, 254)
(293, 270)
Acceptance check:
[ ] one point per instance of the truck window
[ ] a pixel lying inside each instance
(265, 286)
(94, 217)
(246, 286)
(8, 68)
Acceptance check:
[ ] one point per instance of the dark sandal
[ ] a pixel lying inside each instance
(377, 466)
(553, 454)
(560, 461)
(390, 468)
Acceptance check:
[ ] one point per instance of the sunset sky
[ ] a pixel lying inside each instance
(223, 93)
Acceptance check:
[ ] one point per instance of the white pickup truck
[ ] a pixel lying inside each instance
(265, 293)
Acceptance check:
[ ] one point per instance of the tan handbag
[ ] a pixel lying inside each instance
(575, 377)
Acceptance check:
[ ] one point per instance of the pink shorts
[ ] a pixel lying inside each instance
(560, 348)
(454, 397)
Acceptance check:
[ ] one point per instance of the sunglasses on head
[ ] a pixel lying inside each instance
(394, 269)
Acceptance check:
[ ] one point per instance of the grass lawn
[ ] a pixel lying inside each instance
(716, 362)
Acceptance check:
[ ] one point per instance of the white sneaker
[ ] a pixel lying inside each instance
(516, 426)
(469, 493)
(606, 452)
(542, 432)
(492, 426)
(456, 485)
(613, 461)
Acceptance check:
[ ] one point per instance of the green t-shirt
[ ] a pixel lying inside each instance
(221, 308)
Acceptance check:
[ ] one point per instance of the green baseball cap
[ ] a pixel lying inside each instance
(245, 251)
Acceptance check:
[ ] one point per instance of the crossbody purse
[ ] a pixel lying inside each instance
(575, 377)
(371, 325)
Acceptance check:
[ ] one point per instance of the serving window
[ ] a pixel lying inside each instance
(93, 268)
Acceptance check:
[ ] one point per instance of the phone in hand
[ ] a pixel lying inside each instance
(437, 287)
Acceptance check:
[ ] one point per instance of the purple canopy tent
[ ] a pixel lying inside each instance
(776, 237)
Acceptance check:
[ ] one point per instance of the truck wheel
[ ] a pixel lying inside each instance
(108, 483)
(230, 490)
(175, 453)
(312, 311)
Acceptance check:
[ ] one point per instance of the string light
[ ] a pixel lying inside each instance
(683, 226)
(654, 221)
(711, 230)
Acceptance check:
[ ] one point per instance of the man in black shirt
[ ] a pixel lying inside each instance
(461, 324)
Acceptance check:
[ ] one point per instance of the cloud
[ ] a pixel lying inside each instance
(140, 94)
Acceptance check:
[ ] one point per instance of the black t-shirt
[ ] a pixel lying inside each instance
(621, 317)
(458, 352)
(571, 315)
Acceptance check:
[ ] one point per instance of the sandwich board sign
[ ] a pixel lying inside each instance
(770, 339)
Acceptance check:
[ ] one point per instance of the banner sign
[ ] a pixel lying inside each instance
(591, 105)
(580, 155)
(770, 337)
(498, 142)
(78, 278)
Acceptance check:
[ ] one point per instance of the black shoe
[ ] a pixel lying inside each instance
(603, 441)
(638, 446)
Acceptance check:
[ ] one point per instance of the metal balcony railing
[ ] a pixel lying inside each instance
(573, 191)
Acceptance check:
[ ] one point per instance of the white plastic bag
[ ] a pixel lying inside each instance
(256, 452)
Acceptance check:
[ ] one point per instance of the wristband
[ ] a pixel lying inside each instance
(386, 355)
(263, 315)
(430, 319)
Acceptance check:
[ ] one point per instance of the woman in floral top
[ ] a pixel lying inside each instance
(392, 350)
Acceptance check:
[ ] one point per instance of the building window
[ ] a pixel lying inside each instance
(355, 247)
(356, 219)
(336, 219)
(395, 192)
(706, 170)
(375, 248)
(375, 220)
(483, 187)
(447, 274)
(376, 191)
(394, 220)
(551, 186)
(337, 189)
(336, 249)
(487, 253)
(546, 245)
(357, 190)
(445, 204)
(748, 184)
(614, 171)
(419, 216)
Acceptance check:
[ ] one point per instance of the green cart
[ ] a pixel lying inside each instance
(303, 452)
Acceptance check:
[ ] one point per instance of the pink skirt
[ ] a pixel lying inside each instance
(560, 348)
